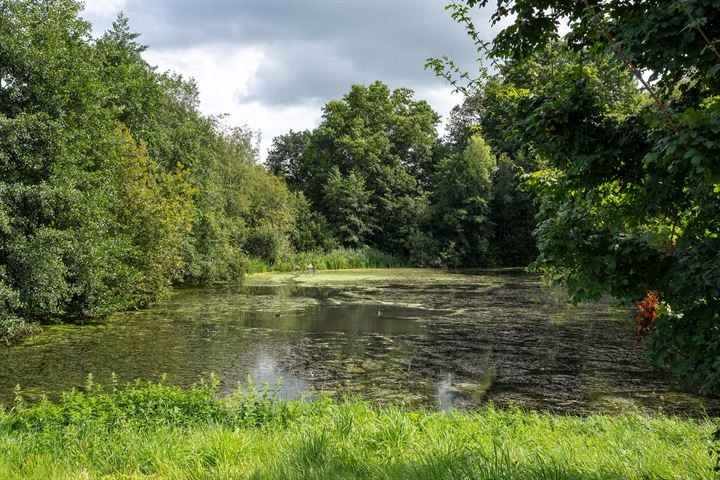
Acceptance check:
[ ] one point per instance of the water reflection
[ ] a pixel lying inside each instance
(287, 386)
(444, 392)
(406, 336)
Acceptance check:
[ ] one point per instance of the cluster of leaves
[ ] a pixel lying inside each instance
(112, 184)
(647, 315)
(153, 208)
(366, 161)
(627, 168)
(461, 202)
(512, 209)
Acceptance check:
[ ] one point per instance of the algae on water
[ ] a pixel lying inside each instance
(409, 336)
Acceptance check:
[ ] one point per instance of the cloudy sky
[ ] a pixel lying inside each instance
(272, 64)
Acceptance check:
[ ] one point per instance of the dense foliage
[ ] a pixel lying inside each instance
(623, 127)
(112, 184)
(461, 202)
(376, 173)
(367, 160)
(513, 208)
(160, 431)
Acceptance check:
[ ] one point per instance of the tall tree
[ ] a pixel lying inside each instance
(460, 205)
(348, 207)
(285, 158)
(385, 137)
(630, 183)
(112, 184)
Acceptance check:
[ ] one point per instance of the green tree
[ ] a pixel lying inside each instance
(386, 137)
(285, 158)
(629, 183)
(241, 210)
(153, 210)
(348, 207)
(96, 218)
(490, 107)
(311, 231)
(56, 250)
(460, 205)
(513, 208)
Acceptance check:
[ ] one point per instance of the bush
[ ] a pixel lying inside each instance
(265, 243)
(12, 327)
(153, 208)
(311, 231)
(147, 404)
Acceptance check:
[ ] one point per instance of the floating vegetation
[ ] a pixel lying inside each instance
(403, 336)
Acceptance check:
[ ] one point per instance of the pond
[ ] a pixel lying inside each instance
(408, 336)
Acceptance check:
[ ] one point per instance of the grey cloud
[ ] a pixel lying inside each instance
(303, 73)
(314, 49)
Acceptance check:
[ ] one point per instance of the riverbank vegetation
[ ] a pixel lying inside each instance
(114, 187)
(149, 430)
(336, 259)
(616, 127)
(594, 155)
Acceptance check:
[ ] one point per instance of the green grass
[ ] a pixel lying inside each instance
(342, 258)
(157, 431)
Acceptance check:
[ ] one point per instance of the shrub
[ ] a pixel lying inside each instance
(265, 243)
(148, 405)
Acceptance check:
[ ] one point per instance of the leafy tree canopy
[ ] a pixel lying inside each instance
(628, 172)
(112, 184)
(381, 141)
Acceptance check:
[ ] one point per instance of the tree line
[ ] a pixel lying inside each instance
(114, 187)
(375, 172)
(594, 154)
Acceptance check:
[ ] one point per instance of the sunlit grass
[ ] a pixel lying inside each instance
(341, 258)
(156, 431)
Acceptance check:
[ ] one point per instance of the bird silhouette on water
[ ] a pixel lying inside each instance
(209, 333)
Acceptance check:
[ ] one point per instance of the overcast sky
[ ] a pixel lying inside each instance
(272, 64)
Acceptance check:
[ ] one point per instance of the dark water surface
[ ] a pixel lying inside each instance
(416, 337)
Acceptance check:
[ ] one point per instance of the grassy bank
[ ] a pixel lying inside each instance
(341, 258)
(156, 431)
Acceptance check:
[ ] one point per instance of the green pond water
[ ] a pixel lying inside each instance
(415, 337)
